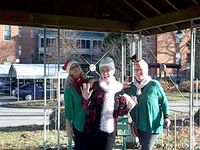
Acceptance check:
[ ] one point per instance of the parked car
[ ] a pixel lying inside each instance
(2, 83)
(8, 87)
(32, 91)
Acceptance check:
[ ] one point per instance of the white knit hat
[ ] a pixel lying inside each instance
(107, 61)
(68, 65)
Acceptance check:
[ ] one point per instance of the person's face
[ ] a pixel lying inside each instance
(140, 72)
(106, 73)
(75, 70)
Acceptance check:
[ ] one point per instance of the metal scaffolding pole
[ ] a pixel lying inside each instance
(139, 52)
(132, 52)
(123, 58)
(45, 96)
(191, 103)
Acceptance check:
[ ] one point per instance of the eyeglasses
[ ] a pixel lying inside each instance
(138, 69)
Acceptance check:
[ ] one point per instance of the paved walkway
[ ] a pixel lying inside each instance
(183, 106)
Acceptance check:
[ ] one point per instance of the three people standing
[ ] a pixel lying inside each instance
(92, 109)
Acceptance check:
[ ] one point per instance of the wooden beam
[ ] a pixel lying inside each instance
(176, 17)
(67, 22)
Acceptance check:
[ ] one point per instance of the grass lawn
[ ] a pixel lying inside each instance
(31, 137)
(175, 96)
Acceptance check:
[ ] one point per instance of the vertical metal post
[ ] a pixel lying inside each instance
(139, 53)
(17, 89)
(45, 96)
(123, 70)
(132, 52)
(175, 131)
(182, 130)
(162, 139)
(58, 90)
(197, 93)
(191, 109)
(122, 55)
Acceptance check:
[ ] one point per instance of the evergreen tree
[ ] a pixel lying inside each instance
(113, 43)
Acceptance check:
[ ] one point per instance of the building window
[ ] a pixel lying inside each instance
(32, 55)
(178, 58)
(42, 42)
(7, 32)
(97, 44)
(20, 31)
(148, 39)
(20, 50)
(32, 33)
(179, 34)
(78, 44)
(178, 40)
(61, 43)
(87, 46)
(49, 42)
(69, 43)
(83, 44)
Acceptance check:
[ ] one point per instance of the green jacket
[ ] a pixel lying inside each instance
(152, 106)
(73, 110)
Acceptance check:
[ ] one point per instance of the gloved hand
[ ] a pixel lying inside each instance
(130, 101)
(69, 129)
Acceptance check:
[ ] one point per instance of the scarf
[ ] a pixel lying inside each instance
(78, 83)
(142, 84)
(107, 119)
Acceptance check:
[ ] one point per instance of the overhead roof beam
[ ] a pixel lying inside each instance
(195, 2)
(172, 5)
(147, 3)
(67, 22)
(168, 19)
(134, 9)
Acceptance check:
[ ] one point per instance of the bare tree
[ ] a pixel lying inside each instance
(66, 42)
(8, 52)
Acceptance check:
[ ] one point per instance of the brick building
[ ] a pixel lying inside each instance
(8, 43)
(26, 44)
(17, 42)
(168, 49)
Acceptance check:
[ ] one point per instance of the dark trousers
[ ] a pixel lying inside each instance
(147, 139)
(100, 140)
(79, 140)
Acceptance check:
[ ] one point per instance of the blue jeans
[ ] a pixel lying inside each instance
(147, 139)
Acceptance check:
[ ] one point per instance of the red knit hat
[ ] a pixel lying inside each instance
(68, 64)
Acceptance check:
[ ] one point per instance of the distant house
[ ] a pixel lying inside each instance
(71, 43)
(27, 43)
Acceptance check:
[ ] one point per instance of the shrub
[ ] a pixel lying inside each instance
(53, 119)
(167, 86)
(185, 86)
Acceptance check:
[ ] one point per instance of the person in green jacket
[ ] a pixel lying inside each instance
(152, 111)
(74, 114)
